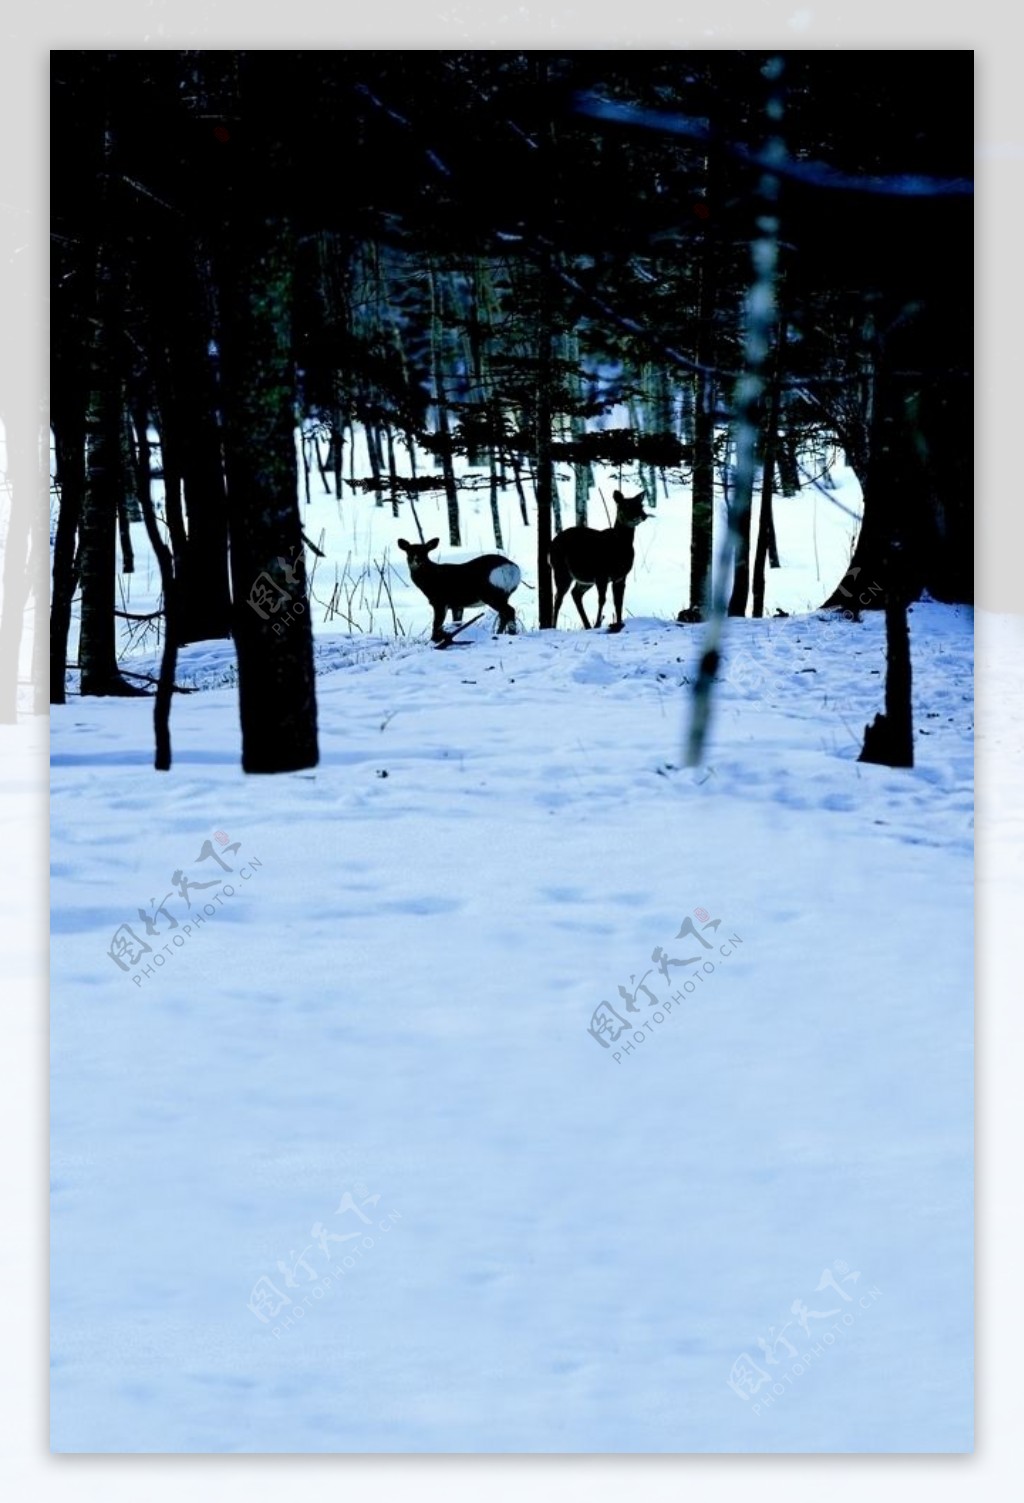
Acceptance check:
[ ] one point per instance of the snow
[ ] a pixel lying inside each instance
(570, 1251)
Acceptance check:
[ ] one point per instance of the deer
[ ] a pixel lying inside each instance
(488, 580)
(585, 556)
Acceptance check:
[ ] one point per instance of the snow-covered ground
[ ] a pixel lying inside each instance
(391, 1031)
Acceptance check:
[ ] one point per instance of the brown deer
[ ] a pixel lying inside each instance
(585, 556)
(488, 580)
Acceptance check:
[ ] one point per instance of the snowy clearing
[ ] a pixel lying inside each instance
(383, 1031)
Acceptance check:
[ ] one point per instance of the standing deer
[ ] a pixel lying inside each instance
(585, 556)
(488, 580)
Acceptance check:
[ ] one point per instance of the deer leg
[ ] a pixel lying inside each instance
(438, 632)
(602, 590)
(578, 593)
(498, 601)
(618, 593)
(457, 614)
(563, 579)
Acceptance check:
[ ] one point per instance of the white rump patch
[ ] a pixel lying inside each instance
(505, 577)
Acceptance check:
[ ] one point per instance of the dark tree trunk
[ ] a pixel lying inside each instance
(69, 439)
(172, 600)
(894, 483)
(545, 492)
(125, 533)
(97, 648)
(451, 488)
(273, 640)
(789, 469)
(337, 449)
(206, 600)
(191, 402)
(499, 541)
(868, 562)
(765, 530)
(703, 483)
(941, 416)
(889, 740)
(583, 474)
(773, 546)
(891, 475)
(517, 475)
(544, 482)
(765, 521)
(104, 491)
(392, 470)
(740, 522)
(104, 473)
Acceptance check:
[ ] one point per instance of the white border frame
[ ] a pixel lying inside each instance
(26, 1468)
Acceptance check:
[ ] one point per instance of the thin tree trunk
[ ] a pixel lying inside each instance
(69, 439)
(451, 489)
(544, 481)
(773, 547)
(495, 517)
(337, 450)
(104, 474)
(372, 453)
(171, 592)
(739, 521)
(517, 475)
(765, 529)
(765, 521)
(583, 475)
(132, 509)
(104, 487)
(703, 483)
(392, 471)
(321, 463)
(97, 651)
(125, 534)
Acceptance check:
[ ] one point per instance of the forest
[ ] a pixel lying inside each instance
(699, 271)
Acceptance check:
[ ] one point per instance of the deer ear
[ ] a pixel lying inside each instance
(432, 544)
(403, 545)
